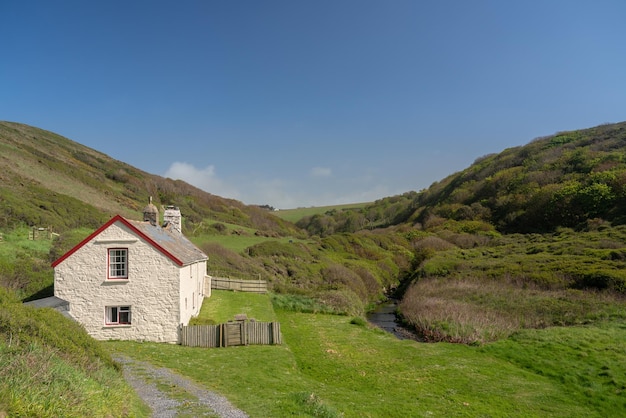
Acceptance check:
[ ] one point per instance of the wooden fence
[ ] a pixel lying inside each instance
(231, 334)
(36, 233)
(255, 286)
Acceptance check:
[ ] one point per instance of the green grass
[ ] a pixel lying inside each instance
(24, 264)
(588, 361)
(234, 237)
(330, 367)
(50, 367)
(294, 215)
(238, 243)
(17, 240)
(223, 305)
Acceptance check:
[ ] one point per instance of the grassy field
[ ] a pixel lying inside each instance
(234, 237)
(222, 306)
(294, 215)
(329, 367)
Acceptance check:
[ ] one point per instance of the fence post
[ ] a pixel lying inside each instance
(276, 333)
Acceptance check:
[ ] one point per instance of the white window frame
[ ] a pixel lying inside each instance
(117, 264)
(118, 315)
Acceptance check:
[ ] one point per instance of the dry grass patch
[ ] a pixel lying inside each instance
(479, 310)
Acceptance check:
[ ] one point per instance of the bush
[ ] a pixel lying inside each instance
(313, 406)
(343, 302)
(360, 321)
(300, 303)
(339, 277)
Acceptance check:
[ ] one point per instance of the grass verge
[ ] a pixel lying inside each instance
(50, 367)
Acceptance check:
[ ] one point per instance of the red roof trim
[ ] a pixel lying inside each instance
(117, 218)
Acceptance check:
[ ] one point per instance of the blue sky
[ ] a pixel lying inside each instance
(310, 103)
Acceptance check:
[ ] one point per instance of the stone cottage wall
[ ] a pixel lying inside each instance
(152, 288)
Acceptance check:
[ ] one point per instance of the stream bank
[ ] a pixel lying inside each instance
(385, 317)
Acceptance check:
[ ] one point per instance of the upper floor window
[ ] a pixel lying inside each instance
(118, 263)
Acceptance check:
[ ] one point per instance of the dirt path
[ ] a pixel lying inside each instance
(171, 395)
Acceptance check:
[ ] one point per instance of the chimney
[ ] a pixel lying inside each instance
(151, 213)
(173, 217)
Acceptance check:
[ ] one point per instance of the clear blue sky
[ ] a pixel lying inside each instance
(308, 103)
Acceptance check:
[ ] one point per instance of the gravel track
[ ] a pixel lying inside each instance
(189, 397)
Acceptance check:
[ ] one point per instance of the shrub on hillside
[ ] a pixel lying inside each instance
(278, 249)
(228, 263)
(340, 277)
(344, 302)
(432, 242)
(299, 303)
(26, 274)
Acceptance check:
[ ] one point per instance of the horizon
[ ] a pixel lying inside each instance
(297, 105)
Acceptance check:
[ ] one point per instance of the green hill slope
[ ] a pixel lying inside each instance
(50, 367)
(49, 180)
(561, 180)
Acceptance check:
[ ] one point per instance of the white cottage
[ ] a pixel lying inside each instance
(132, 280)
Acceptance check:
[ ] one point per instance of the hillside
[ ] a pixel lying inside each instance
(561, 180)
(458, 231)
(49, 180)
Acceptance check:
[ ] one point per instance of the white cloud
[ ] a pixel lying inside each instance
(321, 172)
(282, 193)
(205, 179)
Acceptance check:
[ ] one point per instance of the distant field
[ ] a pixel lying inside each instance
(237, 238)
(294, 215)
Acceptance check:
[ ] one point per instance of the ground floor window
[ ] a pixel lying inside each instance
(117, 315)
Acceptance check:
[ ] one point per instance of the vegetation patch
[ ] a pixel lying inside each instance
(474, 311)
(50, 367)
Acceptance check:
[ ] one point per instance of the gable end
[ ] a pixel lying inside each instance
(136, 231)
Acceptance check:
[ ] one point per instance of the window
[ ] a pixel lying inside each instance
(117, 315)
(118, 263)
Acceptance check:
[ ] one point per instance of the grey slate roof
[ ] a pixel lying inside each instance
(53, 302)
(167, 240)
(171, 241)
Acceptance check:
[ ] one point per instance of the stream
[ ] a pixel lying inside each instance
(384, 317)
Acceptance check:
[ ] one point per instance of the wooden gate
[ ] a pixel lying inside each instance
(231, 334)
(234, 333)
